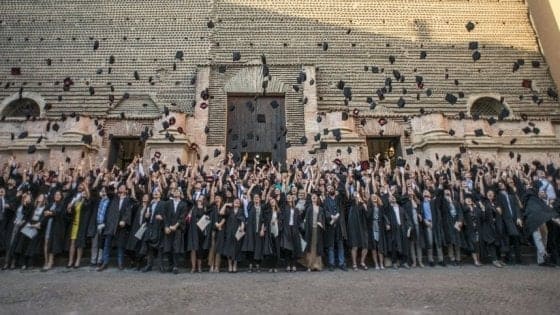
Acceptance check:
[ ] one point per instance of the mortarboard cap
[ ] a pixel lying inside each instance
(303, 140)
(535, 63)
(23, 135)
(392, 59)
(429, 163)
(451, 99)
(476, 56)
(500, 132)
(423, 54)
(236, 56)
(470, 26)
(451, 132)
(473, 45)
(401, 102)
(31, 149)
(409, 151)
(478, 132)
(526, 130)
(274, 104)
(491, 120)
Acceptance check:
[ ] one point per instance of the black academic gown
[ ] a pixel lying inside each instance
(133, 244)
(336, 231)
(509, 214)
(219, 235)
(537, 212)
(308, 229)
(58, 228)
(451, 234)
(198, 240)
(232, 246)
(174, 241)
(6, 220)
(472, 228)
(153, 237)
(31, 247)
(253, 243)
(115, 215)
(377, 223)
(437, 221)
(397, 238)
(357, 226)
(290, 237)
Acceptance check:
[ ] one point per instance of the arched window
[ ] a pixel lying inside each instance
(489, 106)
(22, 107)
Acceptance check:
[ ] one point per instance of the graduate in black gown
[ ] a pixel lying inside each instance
(274, 222)
(235, 221)
(255, 229)
(357, 230)
(453, 221)
(290, 236)
(29, 246)
(54, 229)
(174, 229)
(376, 231)
(198, 239)
(314, 230)
(217, 232)
(117, 226)
(490, 240)
(134, 244)
(153, 236)
(473, 219)
(24, 211)
(398, 230)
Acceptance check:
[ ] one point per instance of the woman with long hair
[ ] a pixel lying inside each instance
(314, 224)
(290, 241)
(235, 221)
(376, 231)
(357, 231)
(29, 243)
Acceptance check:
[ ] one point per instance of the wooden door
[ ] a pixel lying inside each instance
(256, 126)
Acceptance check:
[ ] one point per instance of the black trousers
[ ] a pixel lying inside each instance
(514, 248)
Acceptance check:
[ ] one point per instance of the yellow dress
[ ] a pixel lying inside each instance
(76, 221)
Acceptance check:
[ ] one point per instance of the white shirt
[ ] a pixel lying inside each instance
(291, 217)
(397, 214)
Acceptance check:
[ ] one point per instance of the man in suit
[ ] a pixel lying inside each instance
(511, 215)
(117, 222)
(433, 229)
(335, 233)
(174, 222)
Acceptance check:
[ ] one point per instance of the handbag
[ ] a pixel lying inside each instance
(141, 230)
(29, 231)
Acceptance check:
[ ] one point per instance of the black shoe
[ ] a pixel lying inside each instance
(431, 264)
(161, 269)
(331, 268)
(175, 270)
(343, 268)
(442, 263)
(102, 267)
(147, 268)
(455, 263)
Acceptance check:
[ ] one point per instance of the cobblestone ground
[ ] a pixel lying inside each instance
(467, 289)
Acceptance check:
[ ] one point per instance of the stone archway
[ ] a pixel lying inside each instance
(33, 105)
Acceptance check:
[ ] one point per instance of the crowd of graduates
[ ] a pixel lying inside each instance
(296, 215)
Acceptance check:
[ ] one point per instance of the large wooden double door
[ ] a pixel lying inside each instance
(256, 126)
